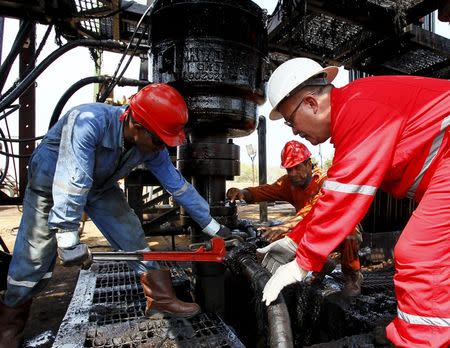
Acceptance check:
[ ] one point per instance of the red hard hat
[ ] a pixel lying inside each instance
(294, 153)
(161, 109)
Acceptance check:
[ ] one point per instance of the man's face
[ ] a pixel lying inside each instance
(145, 140)
(308, 116)
(148, 142)
(301, 174)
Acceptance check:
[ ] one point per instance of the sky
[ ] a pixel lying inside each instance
(77, 64)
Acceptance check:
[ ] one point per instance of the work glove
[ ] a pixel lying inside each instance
(71, 251)
(214, 229)
(76, 255)
(223, 232)
(285, 275)
(278, 253)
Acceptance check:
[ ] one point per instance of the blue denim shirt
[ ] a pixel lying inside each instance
(82, 155)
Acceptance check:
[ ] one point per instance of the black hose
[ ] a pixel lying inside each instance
(114, 80)
(7, 113)
(7, 154)
(5, 171)
(22, 36)
(28, 80)
(242, 259)
(86, 81)
(22, 140)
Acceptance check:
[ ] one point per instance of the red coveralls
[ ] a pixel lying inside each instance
(303, 200)
(392, 132)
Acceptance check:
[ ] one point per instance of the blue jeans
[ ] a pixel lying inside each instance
(34, 253)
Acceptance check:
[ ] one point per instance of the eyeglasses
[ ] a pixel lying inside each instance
(289, 121)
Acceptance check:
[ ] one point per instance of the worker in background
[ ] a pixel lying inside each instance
(76, 168)
(389, 132)
(300, 187)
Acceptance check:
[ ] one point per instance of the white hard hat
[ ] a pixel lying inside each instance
(291, 74)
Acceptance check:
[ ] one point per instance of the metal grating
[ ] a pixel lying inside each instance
(201, 331)
(107, 310)
(327, 34)
(415, 60)
(87, 5)
(118, 294)
(373, 36)
(396, 4)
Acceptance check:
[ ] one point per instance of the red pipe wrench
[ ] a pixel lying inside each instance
(212, 250)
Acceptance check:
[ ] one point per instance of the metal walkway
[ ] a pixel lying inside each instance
(107, 310)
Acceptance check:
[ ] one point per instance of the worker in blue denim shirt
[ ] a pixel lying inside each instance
(76, 168)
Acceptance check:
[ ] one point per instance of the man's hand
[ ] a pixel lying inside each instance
(234, 194)
(278, 253)
(274, 233)
(77, 255)
(223, 232)
(285, 275)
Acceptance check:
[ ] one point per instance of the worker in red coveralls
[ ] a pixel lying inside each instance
(300, 187)
(389, 132)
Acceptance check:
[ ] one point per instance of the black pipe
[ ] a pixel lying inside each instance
(262, 164)
(86, 81)
(249, 230)
(242, 259)
(22, 36)
(113, 82)
(7, 113)
(4, 173)
(32, 76)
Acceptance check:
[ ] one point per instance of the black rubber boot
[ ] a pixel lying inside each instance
(12, 323)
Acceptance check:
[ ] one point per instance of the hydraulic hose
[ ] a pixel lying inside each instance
(33, 75)
(4, 172)
(86, 81)
(241, 259)
(22, 35)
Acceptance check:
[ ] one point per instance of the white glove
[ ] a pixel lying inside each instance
(67, 238)
(285, 275)
(278, 253)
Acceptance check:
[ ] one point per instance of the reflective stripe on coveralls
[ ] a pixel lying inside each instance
(437, 142)
(349, 188)
(181, 190)
(26, 283)
(415, 319)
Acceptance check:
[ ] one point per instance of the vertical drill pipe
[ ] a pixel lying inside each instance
(279, 330)
(262, 164)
